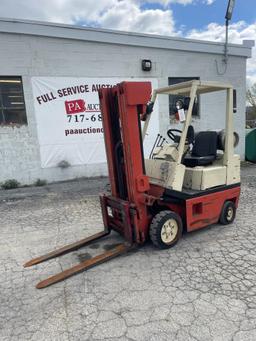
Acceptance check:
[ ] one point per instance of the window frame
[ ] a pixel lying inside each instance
(183, 79)
(3, 108)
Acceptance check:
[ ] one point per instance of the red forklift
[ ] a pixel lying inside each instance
(186, 184)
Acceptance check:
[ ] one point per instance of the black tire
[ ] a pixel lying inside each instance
(156, 229)
(228, 213)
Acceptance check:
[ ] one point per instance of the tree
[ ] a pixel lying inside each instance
(251, 99)
(251, 96)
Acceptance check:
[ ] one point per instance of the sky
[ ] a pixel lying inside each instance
(198, 19)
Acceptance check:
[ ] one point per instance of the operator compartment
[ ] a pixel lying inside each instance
(194, 160)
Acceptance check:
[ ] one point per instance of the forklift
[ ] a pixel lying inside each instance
(184, 185)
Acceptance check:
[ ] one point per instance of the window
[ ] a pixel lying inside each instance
(12, 105)
(174, 98)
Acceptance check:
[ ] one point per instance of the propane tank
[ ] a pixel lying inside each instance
(221, 139)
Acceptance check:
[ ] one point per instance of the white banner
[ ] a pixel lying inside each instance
(69, 119)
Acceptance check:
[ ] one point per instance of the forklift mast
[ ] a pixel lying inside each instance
(121, 108)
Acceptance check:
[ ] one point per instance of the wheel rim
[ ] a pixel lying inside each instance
(230, 213)
(169, 231)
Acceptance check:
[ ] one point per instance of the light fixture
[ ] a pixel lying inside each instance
(9, 81)
(146, 65)
(230, 8)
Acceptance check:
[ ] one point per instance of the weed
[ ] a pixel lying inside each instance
(40, 182)
(10, 184)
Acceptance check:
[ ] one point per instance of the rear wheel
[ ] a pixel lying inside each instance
(165, 229)
(228, 213)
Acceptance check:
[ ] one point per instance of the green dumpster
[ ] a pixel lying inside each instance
(250, 145)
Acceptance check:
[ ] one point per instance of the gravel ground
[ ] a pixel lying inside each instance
(203, 289)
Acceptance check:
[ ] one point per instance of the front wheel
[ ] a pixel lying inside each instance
(165, 229)
(228, 213)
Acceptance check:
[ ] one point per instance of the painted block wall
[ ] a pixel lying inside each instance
(28, 56)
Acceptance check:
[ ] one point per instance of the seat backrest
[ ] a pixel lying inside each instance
(190, 134)
(205, 144)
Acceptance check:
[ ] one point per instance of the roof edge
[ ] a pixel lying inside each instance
(56, 30)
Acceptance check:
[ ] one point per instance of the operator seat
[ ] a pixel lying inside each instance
(204, 150)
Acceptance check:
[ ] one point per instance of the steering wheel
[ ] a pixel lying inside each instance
(190, 138)
(172, 136)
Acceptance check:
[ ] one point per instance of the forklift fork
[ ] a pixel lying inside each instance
(83, 266)
(121, 225)
(66, 249)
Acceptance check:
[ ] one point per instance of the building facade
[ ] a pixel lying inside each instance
(32, 50)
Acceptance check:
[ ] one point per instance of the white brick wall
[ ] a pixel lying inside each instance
(27, 56)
